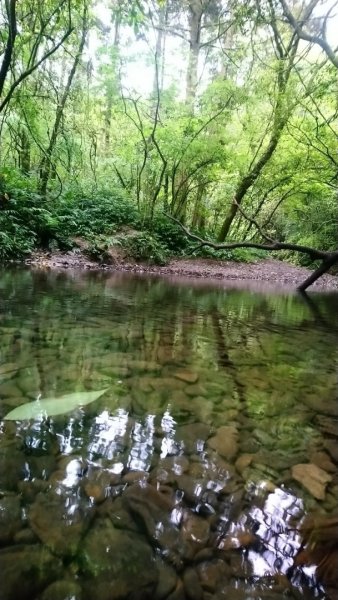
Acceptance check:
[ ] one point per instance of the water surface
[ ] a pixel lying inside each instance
(190, 476)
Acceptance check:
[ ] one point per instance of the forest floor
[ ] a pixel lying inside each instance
(260, 274)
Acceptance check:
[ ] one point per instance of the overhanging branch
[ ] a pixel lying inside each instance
(328, 258)
(314, 253)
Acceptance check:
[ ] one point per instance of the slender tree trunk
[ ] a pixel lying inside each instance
(227, 42)
(166, 192)
(195, 21)
(160, 50)
(12, 31)
(46, 163)
(280, 119)
(24, 152)
(110, 87)
(198, 217)
(246, 183)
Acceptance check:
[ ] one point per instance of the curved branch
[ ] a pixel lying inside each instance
(314, 253)
(308, 37)
(28, 72)
(328, 258)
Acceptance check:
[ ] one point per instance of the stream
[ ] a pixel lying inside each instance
(211, 440)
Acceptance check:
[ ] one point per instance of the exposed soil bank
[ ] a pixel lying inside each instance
(264, 273)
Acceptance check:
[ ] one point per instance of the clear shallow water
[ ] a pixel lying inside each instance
(183, 479)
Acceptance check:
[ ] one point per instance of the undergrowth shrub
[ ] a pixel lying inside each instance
(145, 247)
(246, 255)
(100, 246)
(99, 213)
(168, 232)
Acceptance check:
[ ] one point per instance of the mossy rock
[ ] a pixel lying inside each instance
(116, 564)
(26, 570)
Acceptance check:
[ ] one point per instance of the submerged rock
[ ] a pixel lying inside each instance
(151, 509)
(212, 574)
(10, 518)
(187, 376)
(243, 461)
(332, 448)
(195, 530)
(167, 580)
(62, 590)
(59, 521)
(26, 571)
(12, 468)
(323, 461)
(175, 464)
(193, 436)
(225, 442)
(192, 586)
(117, 564)
(313, 478)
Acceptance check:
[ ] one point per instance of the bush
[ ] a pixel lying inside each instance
(170, 234)
(29, 221)
(144, 247)
(15, 241)
(100, 213)
(246, 255)
(99, 247)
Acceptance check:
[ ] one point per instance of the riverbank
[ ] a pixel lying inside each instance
(262, 272)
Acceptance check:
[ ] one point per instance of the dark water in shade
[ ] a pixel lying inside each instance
(191, 475)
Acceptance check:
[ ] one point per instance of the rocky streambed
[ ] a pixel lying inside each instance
(213, 516)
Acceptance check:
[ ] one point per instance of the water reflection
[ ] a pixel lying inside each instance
(108, 435)
(188, 460)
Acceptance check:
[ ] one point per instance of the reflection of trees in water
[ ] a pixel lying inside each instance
(87, 331)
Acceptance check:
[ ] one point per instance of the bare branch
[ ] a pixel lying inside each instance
(28, 72)
(308, 37)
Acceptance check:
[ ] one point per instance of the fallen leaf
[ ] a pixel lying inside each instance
(53, 406)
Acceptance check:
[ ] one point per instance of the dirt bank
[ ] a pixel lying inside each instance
(258, 274)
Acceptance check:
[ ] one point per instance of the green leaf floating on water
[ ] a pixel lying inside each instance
(53, 406)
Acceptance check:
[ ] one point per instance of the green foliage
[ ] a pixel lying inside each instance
(119, 160)
(168, 232)
(99, 247)
(24, 221)
(15, 242)
(97, 212)
(246, 255)
(144, 247)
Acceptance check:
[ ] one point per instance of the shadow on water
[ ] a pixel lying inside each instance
(207, 470)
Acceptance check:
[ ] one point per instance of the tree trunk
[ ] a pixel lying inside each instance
(198, 219)
(46, 163)
(322, 269)
(246, 183)
(195, 19)
(12, 31)
(110, 87)
(280, 118)
(24, 152)
(160, 50)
